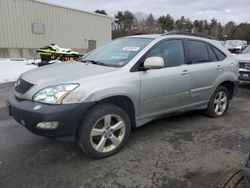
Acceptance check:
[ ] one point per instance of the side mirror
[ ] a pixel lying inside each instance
(153, 63)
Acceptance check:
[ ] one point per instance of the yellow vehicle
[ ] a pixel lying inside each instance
(53, 52)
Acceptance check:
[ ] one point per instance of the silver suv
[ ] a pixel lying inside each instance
(125, 84)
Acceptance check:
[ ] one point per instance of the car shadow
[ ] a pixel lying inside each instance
(38, 151)
(245, 85)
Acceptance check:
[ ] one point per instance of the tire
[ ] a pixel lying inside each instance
(232, 178)
(99, 136)
(216, 106)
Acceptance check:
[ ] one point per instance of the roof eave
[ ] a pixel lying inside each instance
(71, 8)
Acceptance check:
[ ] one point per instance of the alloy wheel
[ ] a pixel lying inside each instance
(107, 133)
(220, 103)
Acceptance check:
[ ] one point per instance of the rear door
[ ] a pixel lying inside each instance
(205, 69)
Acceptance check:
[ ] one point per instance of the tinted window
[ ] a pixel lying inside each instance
(219, 54)
(198, 52)
(211, 54)
(171, 51)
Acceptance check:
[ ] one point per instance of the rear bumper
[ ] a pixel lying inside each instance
(68, 116)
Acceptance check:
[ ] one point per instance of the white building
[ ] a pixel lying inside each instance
(26, 25)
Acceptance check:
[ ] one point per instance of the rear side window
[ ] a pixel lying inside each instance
(211, 54)
(198, 52)
(221, 56)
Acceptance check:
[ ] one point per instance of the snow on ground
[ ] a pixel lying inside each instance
(11, 69)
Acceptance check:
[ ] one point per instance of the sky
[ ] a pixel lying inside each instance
(222, 10)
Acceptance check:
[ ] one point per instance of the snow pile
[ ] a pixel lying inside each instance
(10, 70)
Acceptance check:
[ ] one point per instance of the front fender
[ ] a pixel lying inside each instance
(132, 93)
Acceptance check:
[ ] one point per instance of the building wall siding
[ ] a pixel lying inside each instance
(66, 27)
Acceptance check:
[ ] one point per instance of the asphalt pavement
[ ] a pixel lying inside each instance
(188, 150)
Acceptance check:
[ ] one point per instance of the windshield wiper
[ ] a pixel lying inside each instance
(94, 62)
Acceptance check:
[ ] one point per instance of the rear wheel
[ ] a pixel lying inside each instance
(218, 103)
(104, 131)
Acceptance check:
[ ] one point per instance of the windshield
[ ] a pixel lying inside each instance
(247, 50)
(118, 52)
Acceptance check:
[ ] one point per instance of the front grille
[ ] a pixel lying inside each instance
(243, 65)
(22, 86)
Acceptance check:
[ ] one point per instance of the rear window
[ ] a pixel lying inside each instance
(198, 52)
(221, 56)
(211, 54)
(201, 52)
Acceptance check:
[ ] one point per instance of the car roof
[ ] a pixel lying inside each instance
(155, 36)
(180, 35)
(151, 36)
(172, 33)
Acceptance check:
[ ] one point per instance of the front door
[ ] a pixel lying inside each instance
(167, 89)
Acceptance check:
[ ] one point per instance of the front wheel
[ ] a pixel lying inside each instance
(218, 103)
(104, 131)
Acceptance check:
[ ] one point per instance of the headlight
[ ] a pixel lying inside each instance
(54, 94)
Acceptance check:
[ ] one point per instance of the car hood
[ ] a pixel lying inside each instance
(64, 72)
(242, 57)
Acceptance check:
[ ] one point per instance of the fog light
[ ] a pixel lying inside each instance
(47, 125)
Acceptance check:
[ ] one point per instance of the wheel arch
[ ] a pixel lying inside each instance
(122, 101)
(230, 85)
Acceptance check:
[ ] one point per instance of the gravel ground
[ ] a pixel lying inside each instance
(188, 150)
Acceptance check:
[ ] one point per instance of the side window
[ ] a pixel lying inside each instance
(219, 54)
(171, 51)
(198, 52)
(211, 54)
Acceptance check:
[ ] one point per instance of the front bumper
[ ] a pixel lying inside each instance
(29, 114)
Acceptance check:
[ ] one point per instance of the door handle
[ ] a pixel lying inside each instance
(219, 67)
(185, 72)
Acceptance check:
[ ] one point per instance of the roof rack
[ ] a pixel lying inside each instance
(140, 33)
(188, 34)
